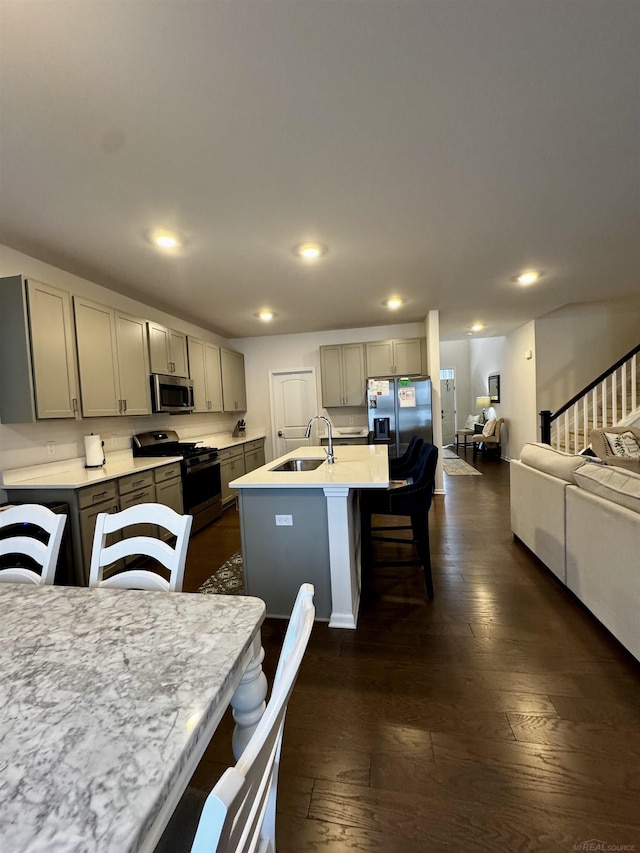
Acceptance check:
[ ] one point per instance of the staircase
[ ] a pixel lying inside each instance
(609, 400)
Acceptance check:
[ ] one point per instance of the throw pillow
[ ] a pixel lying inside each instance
(623, 444)
(471, 420)
(489, 428)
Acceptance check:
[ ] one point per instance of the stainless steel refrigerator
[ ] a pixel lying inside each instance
(399, 408)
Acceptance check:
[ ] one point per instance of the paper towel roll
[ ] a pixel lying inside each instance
(93, 451)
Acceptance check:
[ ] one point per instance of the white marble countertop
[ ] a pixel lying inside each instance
(103, 703)
(363, 466)
(71, 473)
(226, 439)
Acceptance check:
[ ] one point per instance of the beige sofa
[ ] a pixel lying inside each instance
(582, 520)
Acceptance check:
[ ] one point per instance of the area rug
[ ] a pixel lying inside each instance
(227, 580)
(448, 453)
(458, 467)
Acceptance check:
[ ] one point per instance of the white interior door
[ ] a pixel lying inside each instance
(293, 402)
(448, 405)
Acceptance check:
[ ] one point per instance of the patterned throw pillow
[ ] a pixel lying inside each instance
(623, 444)
(489, 428)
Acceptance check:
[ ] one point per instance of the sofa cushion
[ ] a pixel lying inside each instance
(623, 444)
(489, 428)
(551, 461)
(614, 484)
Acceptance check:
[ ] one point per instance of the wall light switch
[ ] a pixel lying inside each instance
(51, 448)
(284, 521)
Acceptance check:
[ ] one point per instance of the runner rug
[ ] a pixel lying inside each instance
(227, 580)
(456, 467)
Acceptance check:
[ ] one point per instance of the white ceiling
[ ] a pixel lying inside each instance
(437, 147)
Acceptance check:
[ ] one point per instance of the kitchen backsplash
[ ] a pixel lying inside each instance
(22, 445)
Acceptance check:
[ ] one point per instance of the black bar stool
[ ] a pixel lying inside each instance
(412, 500)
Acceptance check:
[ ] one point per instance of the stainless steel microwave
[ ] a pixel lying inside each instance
(173, 394)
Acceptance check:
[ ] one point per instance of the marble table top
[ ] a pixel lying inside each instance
(104, 696)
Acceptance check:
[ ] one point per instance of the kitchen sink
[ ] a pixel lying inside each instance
(299, 465)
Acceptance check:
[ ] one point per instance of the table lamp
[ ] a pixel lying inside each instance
(483, 403)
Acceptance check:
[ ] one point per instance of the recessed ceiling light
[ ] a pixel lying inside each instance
(266, 315)
(477, 327)
(166, 239)
(393, 303)
(528, 277)
(310, 251)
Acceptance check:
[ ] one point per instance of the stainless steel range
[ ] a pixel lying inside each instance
(201, 489)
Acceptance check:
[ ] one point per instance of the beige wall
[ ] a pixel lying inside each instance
(518, 382)
(576, 343)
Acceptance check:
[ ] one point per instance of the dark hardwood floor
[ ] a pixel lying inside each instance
(498, 717)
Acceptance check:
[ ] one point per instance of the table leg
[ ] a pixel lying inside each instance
(248, 701)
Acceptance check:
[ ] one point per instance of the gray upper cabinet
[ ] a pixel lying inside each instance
(343, 375)
(39, 378)
(402, 357)
(234, 394)
(167, 350)
(113, 361)
(204, 369)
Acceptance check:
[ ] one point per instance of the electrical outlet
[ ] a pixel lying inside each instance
(51, 448)
(351, 420)
(284, 521)
(114, 442)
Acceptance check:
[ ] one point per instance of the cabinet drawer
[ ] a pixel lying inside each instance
(252, 446)
(230, 453)
(100, 493)
(167, 472)
(134, 482)
(143, 496)
(253, 460)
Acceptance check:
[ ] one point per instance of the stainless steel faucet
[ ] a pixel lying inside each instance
(329, 451)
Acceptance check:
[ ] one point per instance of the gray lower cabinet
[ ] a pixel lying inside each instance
(161, 485)
(253, 455)
(133, 490)
(90, 502)
(278, 559)
(231, 467)
(169, 491)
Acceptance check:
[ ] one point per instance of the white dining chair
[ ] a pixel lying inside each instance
(172, 558)
(21, 542)
(239, 814)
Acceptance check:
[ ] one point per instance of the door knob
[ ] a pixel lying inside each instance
(280, 434)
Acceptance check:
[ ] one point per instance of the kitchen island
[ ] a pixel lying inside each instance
(299, 526)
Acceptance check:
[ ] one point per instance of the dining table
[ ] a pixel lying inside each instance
(108, 700)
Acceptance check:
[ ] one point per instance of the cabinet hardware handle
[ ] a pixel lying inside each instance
(137, 483)
(139, 495)
(125, 405)
(74, 404)
(99, 494)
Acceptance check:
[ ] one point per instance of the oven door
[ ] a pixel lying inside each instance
(202, 492)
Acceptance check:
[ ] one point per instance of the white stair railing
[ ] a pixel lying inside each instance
(612, 399)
